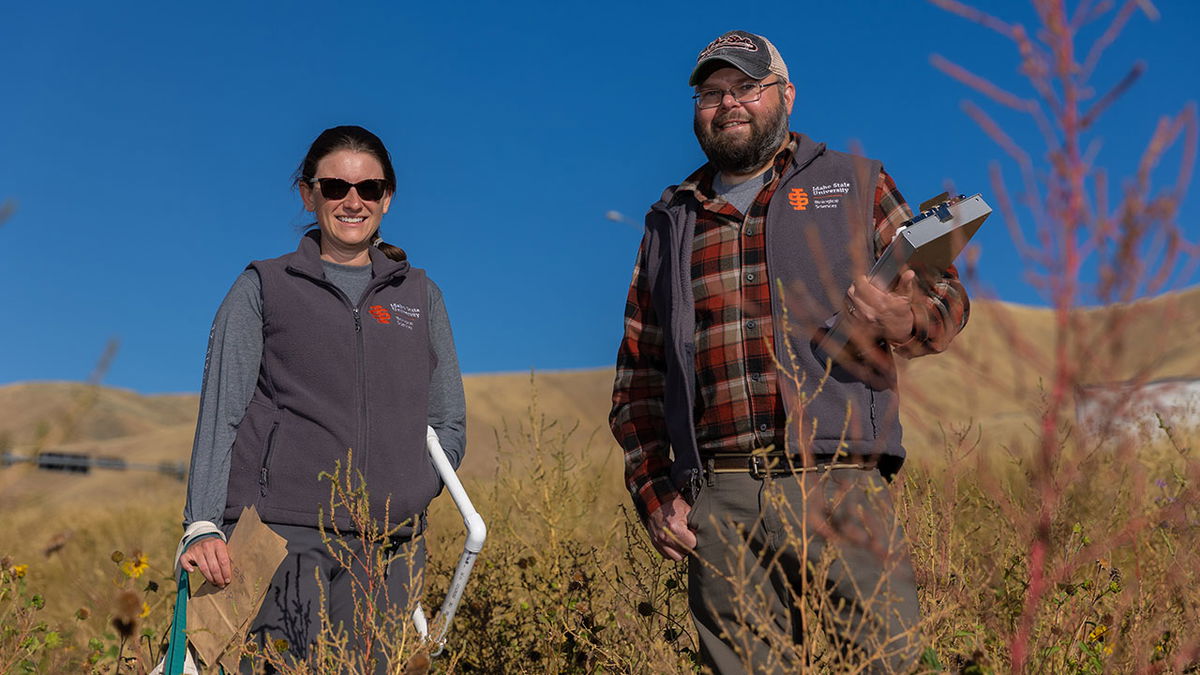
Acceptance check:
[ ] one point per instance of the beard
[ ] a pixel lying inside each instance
(738, 156)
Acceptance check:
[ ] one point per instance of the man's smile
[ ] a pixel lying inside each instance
(728, 124)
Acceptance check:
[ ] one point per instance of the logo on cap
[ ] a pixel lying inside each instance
(728, 42)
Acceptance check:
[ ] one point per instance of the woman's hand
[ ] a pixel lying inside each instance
(211, 556)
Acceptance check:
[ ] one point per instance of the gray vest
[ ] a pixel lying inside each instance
(819, 235)
(337, 374)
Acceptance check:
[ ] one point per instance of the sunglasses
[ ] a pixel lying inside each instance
(371, 190)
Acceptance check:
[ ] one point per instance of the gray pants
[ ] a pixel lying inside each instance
(801, 572)
(291, 610)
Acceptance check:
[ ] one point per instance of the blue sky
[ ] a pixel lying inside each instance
(149, 149)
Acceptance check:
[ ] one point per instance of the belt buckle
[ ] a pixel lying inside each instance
(758, 466)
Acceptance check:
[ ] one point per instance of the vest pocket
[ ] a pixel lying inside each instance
(263, 474)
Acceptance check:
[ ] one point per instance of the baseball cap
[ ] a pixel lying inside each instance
(752, 54)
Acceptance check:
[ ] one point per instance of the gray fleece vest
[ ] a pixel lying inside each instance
(819, 235)
(337, 374)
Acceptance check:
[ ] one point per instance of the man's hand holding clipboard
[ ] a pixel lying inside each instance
(878, 313)
(877, 305)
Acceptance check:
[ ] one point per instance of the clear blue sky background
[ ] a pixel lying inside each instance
(149, 148)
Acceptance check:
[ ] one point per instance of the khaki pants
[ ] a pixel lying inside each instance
(801, 573)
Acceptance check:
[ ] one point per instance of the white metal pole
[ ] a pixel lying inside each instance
(476, 534)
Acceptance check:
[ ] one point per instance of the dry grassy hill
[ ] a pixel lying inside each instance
(990, 377)
(995, 374)
(67, 411)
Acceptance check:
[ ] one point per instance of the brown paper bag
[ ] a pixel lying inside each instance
(219, 618)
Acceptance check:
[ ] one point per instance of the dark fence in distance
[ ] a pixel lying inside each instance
(74, 462)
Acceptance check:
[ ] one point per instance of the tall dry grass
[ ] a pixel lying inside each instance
(567, 582)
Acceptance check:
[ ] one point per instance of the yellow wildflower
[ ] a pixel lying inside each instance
(1097, 632)
(19, 571)
(145, 610)
(135, 566)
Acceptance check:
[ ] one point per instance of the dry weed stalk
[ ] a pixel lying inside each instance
(384, 636)
(569, 583)
(836, 526)
(816, 633)
(22, 634)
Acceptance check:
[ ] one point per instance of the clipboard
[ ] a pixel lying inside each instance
(930, 240)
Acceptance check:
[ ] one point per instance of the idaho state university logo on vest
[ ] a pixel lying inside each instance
(396, 314)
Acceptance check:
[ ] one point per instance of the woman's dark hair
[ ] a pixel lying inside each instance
(354, 139)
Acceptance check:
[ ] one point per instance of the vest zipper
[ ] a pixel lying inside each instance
(360, 380)
(687, 343)
(360, 448)
(263, 475)
(360, 452)
(874, 424)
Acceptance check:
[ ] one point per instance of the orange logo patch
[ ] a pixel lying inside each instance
(799, 199)
(381, 315)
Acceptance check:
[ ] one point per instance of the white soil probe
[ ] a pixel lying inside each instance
(476, 533)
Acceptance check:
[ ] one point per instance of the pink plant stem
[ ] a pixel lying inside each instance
(1067, 209)
(1069, 229)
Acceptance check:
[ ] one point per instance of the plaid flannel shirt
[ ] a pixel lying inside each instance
(738, 404)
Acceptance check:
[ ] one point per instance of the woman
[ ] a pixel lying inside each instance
(340, 345)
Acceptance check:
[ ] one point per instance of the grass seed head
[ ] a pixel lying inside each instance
(126, 612)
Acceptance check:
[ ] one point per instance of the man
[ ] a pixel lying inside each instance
(747, 450)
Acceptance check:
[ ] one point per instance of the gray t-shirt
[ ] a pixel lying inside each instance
(231, 366)
(351, 279)
(742, 195)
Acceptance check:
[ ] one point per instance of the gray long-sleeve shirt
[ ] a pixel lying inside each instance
(231, 367)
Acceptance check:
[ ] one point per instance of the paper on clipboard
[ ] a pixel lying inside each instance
(932, 240)
(219, 618)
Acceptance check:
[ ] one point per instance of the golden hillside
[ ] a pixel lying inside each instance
(990, 377)
(997, 371)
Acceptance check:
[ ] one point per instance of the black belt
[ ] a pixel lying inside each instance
(777, 464)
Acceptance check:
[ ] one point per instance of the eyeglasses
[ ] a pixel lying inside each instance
(746, 92)
(371, 190)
